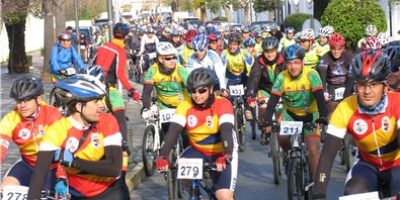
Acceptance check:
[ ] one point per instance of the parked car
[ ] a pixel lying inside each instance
(260, 24)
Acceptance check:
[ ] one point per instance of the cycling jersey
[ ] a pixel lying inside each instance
(297, 94)
(26, 133)
(148, 44)
(66, 133)
(322, 49)
(311, 59)
(335, 73)
(202, 125)
(236, 62)
(170, 88)
(184, 54)
(263, 74)
(112, 58)
(375, 136)
(258, 48)
(211, 61)
(284, 43)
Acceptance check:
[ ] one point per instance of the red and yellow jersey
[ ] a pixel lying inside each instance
(67, 132)
(202, 125)
(375, 135)
(26, 133)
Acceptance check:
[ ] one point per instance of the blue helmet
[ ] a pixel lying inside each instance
(80, 87)
(94, 70)
(200, 42)
(294, 52)
(120, 30)
(249, 42)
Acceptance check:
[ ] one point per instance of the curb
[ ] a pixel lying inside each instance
(135, 176)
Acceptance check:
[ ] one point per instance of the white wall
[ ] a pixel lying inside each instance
(34, 37)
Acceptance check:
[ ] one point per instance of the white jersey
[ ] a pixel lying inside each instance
(211, 61)
(146, 40)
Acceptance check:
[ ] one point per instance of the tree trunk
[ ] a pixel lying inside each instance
(49, 38)
(17, 62)
(59, 10)
(319, 8)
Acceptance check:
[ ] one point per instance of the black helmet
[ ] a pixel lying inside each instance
(235, 38)
(393, 53)
(270, 43)
(370, 65)
(201, 77)
(26, 88)
(120, 30)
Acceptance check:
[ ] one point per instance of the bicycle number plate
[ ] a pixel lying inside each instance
(236, 90)
(152, 55)
(166, 115)
(291, 127)
(190, 168)
(364, 196)
(71, 71)
(15, 193)
(339, 93)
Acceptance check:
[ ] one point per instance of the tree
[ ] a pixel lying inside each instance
(350, 17)
(88, 9)
(14, 16)
(265, 5)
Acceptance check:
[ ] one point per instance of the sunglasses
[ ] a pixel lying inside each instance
(170, 58)
(200, 91)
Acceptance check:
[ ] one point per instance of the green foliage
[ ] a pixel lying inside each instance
(265, 5)
(14, 11)
(350, 17)
(221, 18)
(296, 20)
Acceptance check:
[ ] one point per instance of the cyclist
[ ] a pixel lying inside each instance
(112, 58)
(249, 45)
(186, 49)
(288, 39)
(25, 126)
(64, 59)
(213, 43)
(302, 93)
(148, 45)
(204, 58)
(236, 61)
(167, 77)
(371, 117)
(307, 38)
(263, 74)
(208, 121)
(334, 70)
(384, 39)
(84, 47)
(323, 41)
(259, 40)
(176, 38)
(275, 32)
(87, 143)
(371, 43)
(370, 30)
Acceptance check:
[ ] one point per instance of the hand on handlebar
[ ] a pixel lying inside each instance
(251, 101)
(222, 161)
(162, 163)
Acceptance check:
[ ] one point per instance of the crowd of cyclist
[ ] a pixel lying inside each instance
(311, 73)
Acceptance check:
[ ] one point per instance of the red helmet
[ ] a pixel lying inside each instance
(336, 39)
(64, 36)
(212, 37)
(371, 43)
(190, 34)
(370, 65)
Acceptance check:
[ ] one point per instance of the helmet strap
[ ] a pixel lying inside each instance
(85, 120)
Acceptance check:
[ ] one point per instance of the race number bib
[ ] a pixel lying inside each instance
(83, 47)
(152, 55)
(15, 193)
(71, 71)
(291, 127)
(364, 196)
(166, 115)
(190, 168)
(236, 90)
(339, 93)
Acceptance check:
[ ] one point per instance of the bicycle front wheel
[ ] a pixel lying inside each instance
(275, 156)
(253, 124)
(240, 129)
(295, 179)
(148, 152)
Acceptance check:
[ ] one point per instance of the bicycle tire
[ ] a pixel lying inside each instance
(346, 154)
(253, 124)
(171, 177)
(295, 179)
(275, 156)
(148, 153)
(239, 129)
(307, 179)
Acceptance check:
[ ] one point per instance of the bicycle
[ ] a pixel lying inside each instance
(236, 93)
(171, 175)
(347, 152)
(153, 134)
(299, 173)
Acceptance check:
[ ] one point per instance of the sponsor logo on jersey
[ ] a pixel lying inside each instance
(24, 133)
(192, 121)
(360, 126)
(385, 123)
(72, 144)
(209, 121)
(95, 137)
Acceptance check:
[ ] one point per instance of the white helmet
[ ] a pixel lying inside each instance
(384, 38)
(166, 48)
(326, 31)
(307, 34)
(371, 30)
